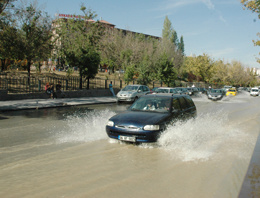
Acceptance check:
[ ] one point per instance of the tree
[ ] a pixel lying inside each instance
(200, 66)
(36, 33)
(9, 35)
(167, 32)
(166, 71)
(254, 6)
(174, 38)
(79, 46)
(5, 4)
(181, 45)
(10, 45)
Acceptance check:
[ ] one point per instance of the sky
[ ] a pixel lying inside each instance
(220, 28)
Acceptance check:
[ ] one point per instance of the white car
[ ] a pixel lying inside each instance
(167, 90)
(132, 92)
(254, 92)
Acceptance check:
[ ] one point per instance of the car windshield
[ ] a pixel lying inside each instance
(152, 104)
(216, 91)
(254, 90)
(130, 88)
(232, 90)
(162, 90)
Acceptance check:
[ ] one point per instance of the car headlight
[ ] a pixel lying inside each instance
(110, 123)
(219, 96)
(209, 96)
(151, 127)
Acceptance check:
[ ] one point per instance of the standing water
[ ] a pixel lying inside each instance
(65, 152)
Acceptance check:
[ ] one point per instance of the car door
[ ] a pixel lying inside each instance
(146, 90)
(140, 91)
(190, 110)
(183, 106)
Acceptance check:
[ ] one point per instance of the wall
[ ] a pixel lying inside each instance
(67, 94)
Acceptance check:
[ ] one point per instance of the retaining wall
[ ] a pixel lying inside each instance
(67, 94)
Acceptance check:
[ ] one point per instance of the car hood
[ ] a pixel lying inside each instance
(126, 92)
(138, 118)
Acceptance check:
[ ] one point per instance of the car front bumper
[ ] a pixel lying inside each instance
(133, 135)
(215, 98)
(125, 98)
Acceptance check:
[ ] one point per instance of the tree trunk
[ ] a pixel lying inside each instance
(2, 65)
(39, 65)
(88, 84)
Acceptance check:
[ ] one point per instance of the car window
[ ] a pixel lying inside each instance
(140, 88)
(146, 88)
(161, 105)
(173, 91)
(190, 102)
(130, 88)
(162, 90)
(176, 104)
(183, 103)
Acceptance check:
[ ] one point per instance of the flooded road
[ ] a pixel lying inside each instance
(65, 152)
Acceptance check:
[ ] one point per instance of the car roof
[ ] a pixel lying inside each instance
(137, 85)
(165, 88)
(165, 95)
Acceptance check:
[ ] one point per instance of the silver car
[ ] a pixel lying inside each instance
(132, 92)
(216, 94)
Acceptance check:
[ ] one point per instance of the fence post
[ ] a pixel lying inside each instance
(67, 84)
(106, 84)
(39, 85)
(6, 84)
(120, 84)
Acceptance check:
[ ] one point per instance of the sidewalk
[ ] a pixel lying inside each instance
(46, 103)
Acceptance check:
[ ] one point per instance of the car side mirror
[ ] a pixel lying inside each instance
(139, 91)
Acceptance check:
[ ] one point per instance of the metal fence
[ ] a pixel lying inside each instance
(37, 84)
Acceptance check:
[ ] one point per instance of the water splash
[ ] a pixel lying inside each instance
(84, 127)
(202, 138)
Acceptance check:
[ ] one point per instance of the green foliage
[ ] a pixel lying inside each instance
(181, 45)
(6, 4)
(36, 34)
(166, 71)
(200, 67)
(80, 43)
(129, 73)
(144, 70)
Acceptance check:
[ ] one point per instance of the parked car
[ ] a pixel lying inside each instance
(154, 89)
(231, 91)
(131, 93)
(149, 116)
(192, 91)
(182, 90)
(254, 92)
(167, 90)
(216, 94)
(202, 90)
(227, 87)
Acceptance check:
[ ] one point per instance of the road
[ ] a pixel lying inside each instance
(65, 152)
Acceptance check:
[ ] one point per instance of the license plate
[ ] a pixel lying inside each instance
(127, 138)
